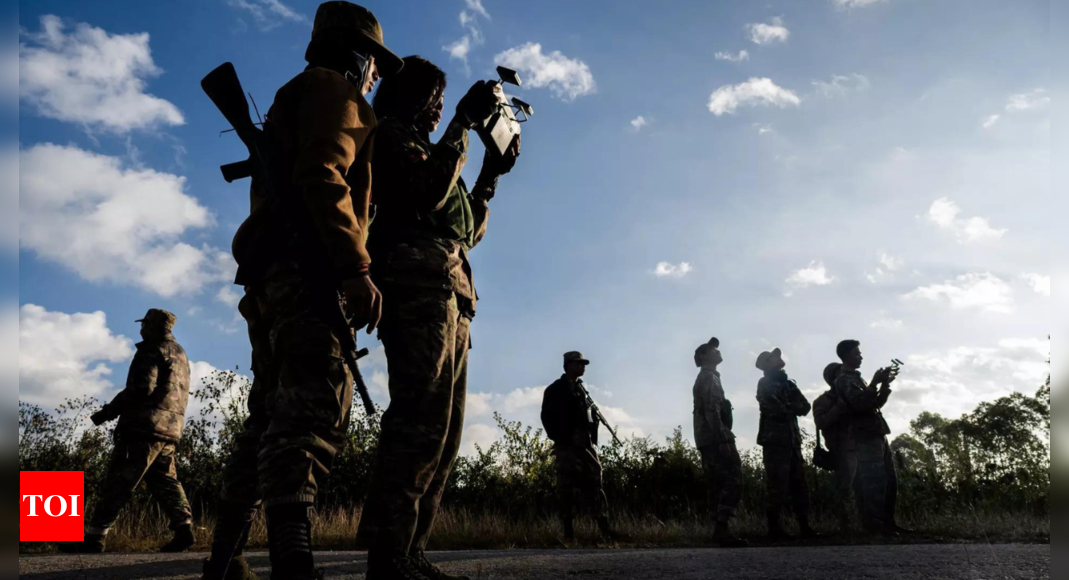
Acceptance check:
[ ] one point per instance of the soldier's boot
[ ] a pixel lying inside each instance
(183, 540)
(726, 539)
(385, 565)
(425, 567)
(776, 533)
(93, 544)
(237, 570)
(289, 534)
(227, 561)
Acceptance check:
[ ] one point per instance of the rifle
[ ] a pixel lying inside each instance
(597, 412)
(224, 89)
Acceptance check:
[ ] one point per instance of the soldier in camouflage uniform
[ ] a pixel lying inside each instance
(301, 256)
(713, 421)
(781, 404)
(866, 463)
(570, 423)
(151, 412)
(426, 222)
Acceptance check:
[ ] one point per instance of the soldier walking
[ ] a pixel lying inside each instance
(427, 220)
(151, 411)
(866, 463)
(301, 256)
(713, 421)
(781, 404)
(570, 423)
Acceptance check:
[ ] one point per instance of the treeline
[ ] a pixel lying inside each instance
(995, 459)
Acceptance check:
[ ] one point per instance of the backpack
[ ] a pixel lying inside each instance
(829, 410)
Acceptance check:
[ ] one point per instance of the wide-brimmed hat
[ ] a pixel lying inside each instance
(764, 358)
(831, 372)
(157, 318)
(337, 19)
(575, 356)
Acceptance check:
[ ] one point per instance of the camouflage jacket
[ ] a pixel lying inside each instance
(713, 415)
(426, 220)
(566, 416)
(153, 404)
(322, 129)
(865, 402)
(781, 404)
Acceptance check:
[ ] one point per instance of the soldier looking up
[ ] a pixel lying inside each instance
(570, 423)
(713, 421)
(781, 404)
(151, 411)
(426, 222)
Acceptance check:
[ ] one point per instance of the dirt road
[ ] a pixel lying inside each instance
(951, 562)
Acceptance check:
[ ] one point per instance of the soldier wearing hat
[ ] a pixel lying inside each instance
(570, 423)
(151, 412)
(713, 421)
(301, 256)
(781, 404)
(426, 222)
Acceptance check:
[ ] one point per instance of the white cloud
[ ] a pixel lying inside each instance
(1037, 99)
(476, 6)
(227, 295)
(64, 355)
(669, 270)
(92, 78)
(773, 31)
(461, 48)
(566, 78)
(480, 435)
(109, 222)
(481, 405)
(985, 292)
(856, 3)
(268, 14)
(1038, 282)
(638, 123)
(764, 129)
(752, 93)
(890, 262)
(888, 266)
(840, 85)
(944, 214)
(816, 274)
(991, 121)
(741, 56)
(887, 324)
(9, 199)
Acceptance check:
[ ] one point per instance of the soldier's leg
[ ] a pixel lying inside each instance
(712, 478)
(872, 483)
(162, 480)
(891, 477)
(730, 467)
(129, 462)
(419, 331)
(568, 495)
(777, 461)
(845, 480)
(799, 489)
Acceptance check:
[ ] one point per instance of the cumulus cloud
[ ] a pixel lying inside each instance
(109, 222)
(815, 274)
(752, 93)
(944, 213)
(888, 265)
(1036, 99)
(268, 14)
(473, 34)
(638, 123)
(991, 121)
(741, 56)
(670, 270)
(478, 436)
(65, 355)
(981, 291)
(768, 33)
(92, 78)
(840, 85)
(1038, 282)
(459, 49)
(565, 77)
(476, 6)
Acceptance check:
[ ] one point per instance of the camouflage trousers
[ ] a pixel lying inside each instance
(132, 461)
(579, 483)
(785, 482)
(426, 337)
(866, 468)
(723, 471)
(300, 402)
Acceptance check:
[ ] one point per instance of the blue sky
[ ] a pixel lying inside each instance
(866, 168)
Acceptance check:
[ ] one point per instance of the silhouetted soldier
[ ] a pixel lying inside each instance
(781, 404)
(713, 421)
(151, 411)
(570, 423)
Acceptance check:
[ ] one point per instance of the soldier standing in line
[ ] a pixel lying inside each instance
(301, 256)
(426, 222)
(713, 421)
(151, 411)
(570, 423)
(864, 447)
(781, 404)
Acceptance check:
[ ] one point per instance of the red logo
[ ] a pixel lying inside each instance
(53, 506)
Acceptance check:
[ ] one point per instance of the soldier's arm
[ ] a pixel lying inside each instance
(770, 404)
(856, 396)
(140, 383)
(799, 404)
(334, 126)
(425, 179)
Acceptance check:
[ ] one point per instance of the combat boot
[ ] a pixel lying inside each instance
(726, 539)
(237, 570)
(91, 545)
(425, 567)
(183, 540)
(228, 542)
(289, 534)
(392, 566)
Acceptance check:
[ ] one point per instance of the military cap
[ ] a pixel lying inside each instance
(344, 18)
(764, 358)
(831, 372)
(575, 356)
(159, 319)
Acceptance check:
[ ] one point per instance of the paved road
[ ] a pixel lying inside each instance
(950, 562)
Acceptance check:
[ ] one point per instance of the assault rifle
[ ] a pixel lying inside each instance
(594, 410)
(224, 89)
